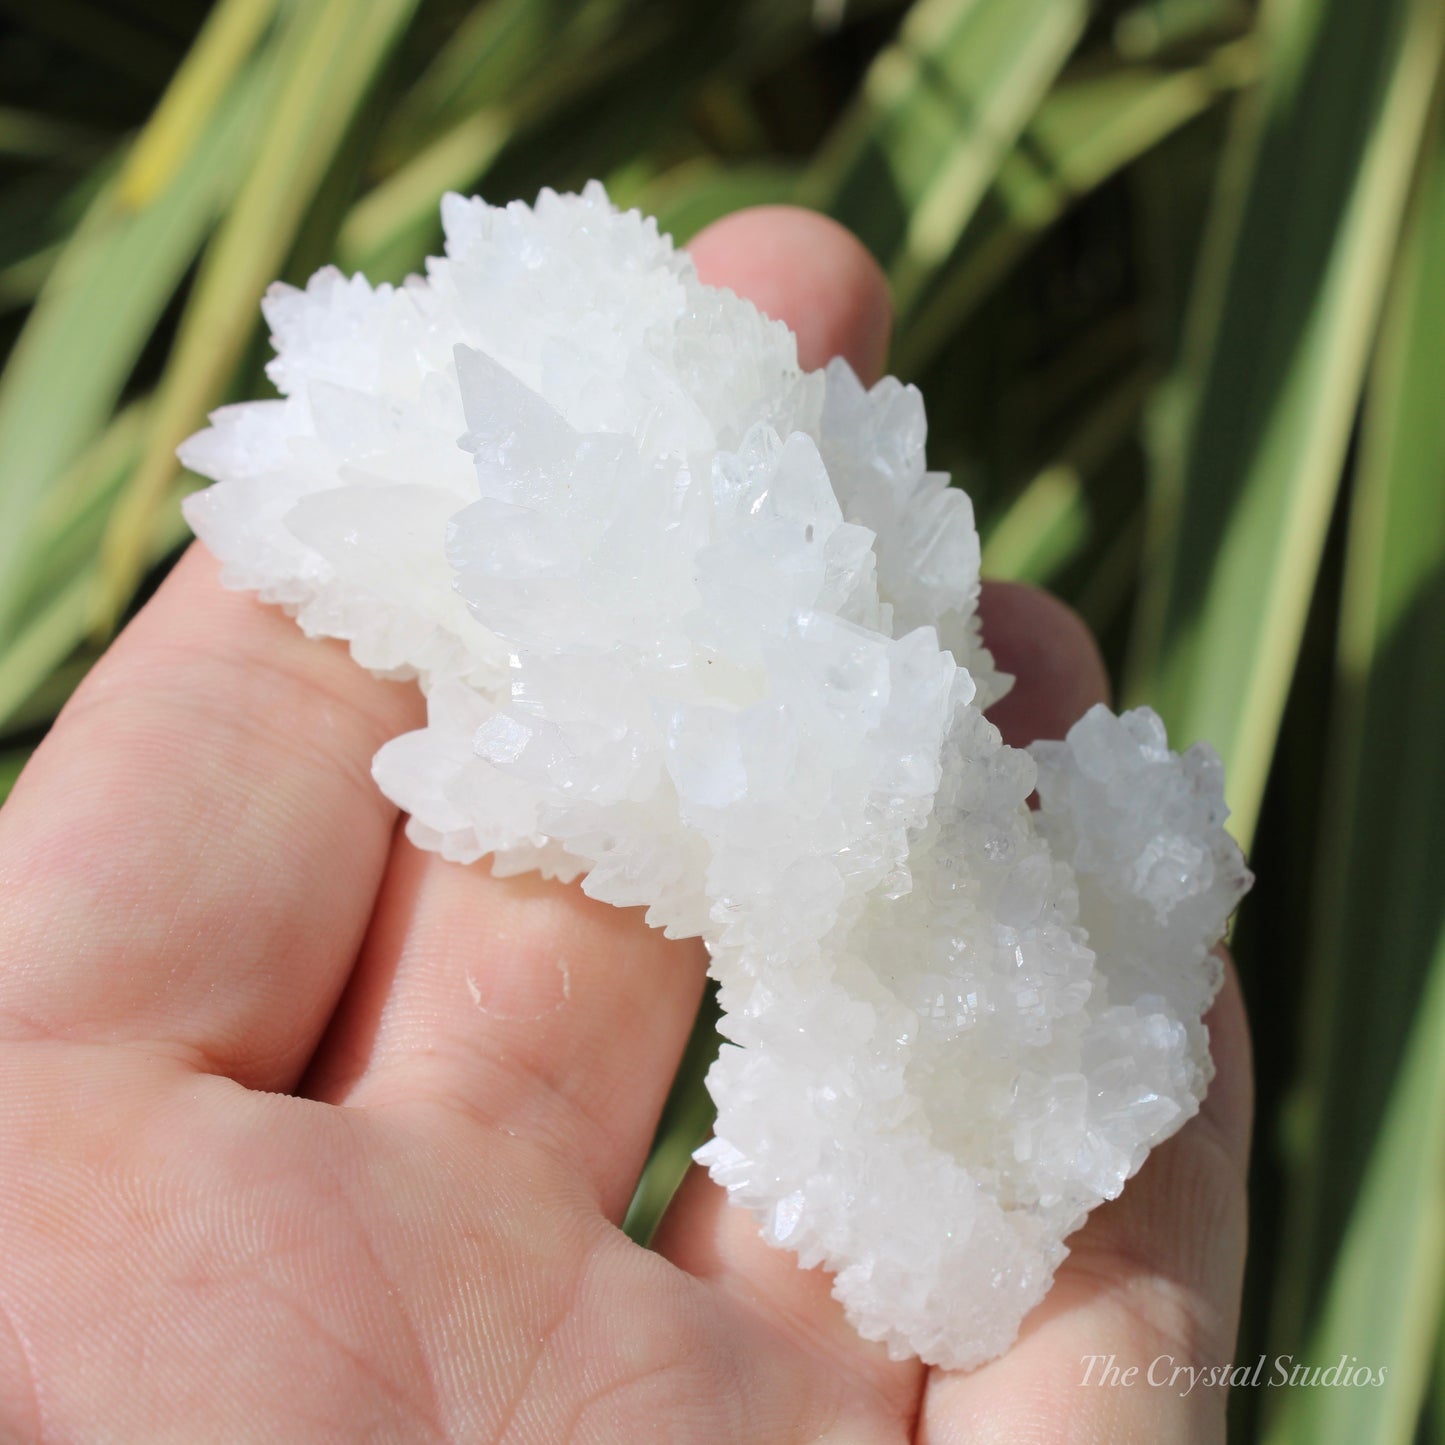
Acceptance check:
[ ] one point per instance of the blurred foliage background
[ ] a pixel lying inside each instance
(1171, 275)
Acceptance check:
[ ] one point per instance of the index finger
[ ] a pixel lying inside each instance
(190, 858)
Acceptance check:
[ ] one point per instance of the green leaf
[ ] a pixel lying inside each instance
(1087, 129)
(211, 65)
(65, 569)
(939, 110)
(1101, 597)
(384, 222)
(62, 623)
(39, 710)
(1159, 25)
(497, 46)
(695, 194)
(40, 210)
(67, 526)
(1049, 523)
(104, 295)
(328, 60)
(70, 520)
(1042, 529)
(1252, 446)
(11, 762)
(28, 135)
(386, 231)
(1369, 1191)
(687, 1117)
(1385, 1293)
(39, 647)
(22, 280)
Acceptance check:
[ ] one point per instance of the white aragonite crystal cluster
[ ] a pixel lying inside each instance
(699, 627)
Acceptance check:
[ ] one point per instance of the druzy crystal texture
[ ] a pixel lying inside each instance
(699, 628)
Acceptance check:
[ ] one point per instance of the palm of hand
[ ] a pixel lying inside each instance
(306, 1135)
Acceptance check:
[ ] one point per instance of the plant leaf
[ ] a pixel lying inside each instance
(686, 1120)
(1049, 522)
(1087, 129)
(11, 762)
(329, 62)
(104, 295)
(939, 110)
(225, 43)
(1369, 1193)
(1252, 446)
(699, 192)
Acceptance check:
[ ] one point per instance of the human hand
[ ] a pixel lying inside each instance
(306, 1135)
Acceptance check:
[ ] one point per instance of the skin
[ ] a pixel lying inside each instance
(306, 1135)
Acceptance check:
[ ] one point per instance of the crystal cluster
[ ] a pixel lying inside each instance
(700, 628)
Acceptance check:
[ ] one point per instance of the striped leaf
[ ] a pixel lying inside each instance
(105, 294)
(327, 64)
(1089, 128)
(1368, 1196)
(1252, 444)
(939, 110)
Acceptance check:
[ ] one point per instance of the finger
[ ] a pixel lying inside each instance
(1152, 1287)
(519, 1002)
(708, 1238)
(1060, 675)
(526, 1003)
(1055, 661)
(189, 860)
(809, 271)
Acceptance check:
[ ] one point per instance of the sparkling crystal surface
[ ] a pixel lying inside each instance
(699, 628)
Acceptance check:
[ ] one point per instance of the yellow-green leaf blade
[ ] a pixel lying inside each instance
(1087, 129)
(940, 109)
(1264, 407)
(1368, 1195)
(105, 293)
(329, 64)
